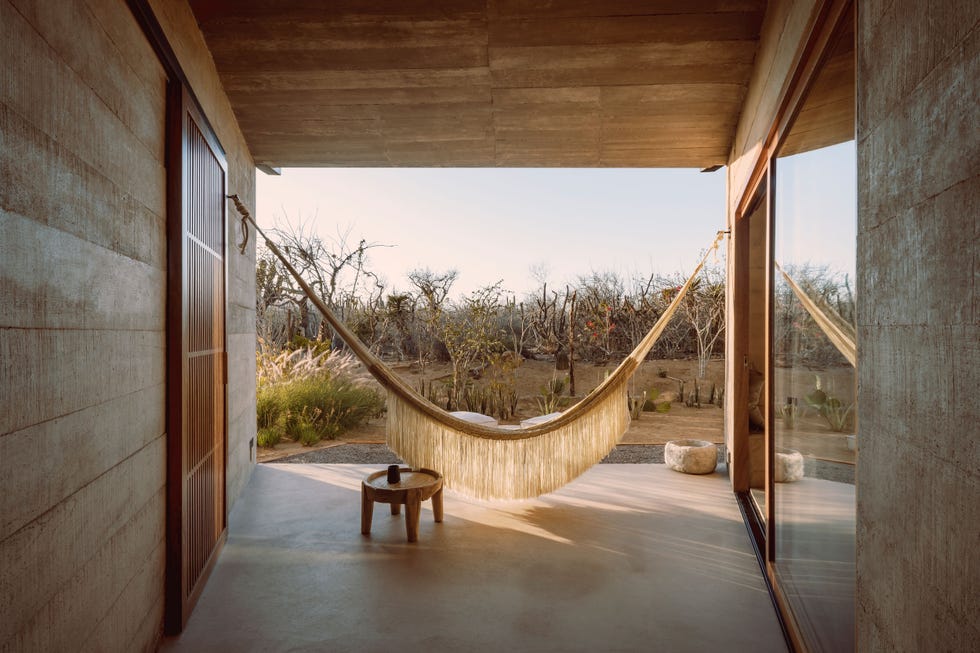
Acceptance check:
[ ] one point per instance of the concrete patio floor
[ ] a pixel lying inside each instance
(625, 558)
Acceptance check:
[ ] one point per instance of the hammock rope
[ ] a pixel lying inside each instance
(840, 333)
(493, 462)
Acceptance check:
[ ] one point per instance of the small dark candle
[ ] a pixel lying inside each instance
(394, 476)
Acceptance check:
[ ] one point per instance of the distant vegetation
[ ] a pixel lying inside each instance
(599, 318)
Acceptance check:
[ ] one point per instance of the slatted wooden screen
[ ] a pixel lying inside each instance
(197, 368)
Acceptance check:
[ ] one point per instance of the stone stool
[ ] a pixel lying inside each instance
(691, 456)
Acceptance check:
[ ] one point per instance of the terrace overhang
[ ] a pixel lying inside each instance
(514, 83)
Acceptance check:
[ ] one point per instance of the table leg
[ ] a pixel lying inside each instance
(413, 508)
(367, 512)
(437, 505)
(396, 508)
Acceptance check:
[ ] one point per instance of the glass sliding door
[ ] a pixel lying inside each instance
(812, 442)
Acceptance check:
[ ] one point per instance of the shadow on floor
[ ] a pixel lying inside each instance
(625, 558)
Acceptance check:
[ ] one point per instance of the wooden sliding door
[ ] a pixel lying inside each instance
(196, 355)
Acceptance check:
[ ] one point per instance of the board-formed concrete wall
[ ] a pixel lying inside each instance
(918, 476)
(82, 342)
(188, 43)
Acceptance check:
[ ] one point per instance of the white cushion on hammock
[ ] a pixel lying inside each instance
(476, 418)
(541, 419)
(510, 427)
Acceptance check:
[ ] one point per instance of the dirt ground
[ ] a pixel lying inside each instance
(703, 423)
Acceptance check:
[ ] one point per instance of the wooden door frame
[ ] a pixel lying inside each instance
(807, 63)
(738, 356)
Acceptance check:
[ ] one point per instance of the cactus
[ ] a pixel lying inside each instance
(789, 412)
(837, 414)
(694, 398)
(636, 403)
(829, 407)
(550, 399)
(429, 390)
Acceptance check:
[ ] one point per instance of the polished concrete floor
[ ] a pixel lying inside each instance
(625, 558)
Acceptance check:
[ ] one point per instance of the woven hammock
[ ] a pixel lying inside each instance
(491, 462)
(838, 330)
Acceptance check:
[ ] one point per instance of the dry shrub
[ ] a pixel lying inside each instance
(308, 397)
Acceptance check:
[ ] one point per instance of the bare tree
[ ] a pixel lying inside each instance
(399, 312)
(547, 317)
(472, 336)
(335, 268)
(518, 325)
(704, 309)
(432, 290)
(601, 296)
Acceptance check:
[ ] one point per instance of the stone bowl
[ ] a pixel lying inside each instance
(789, 465)
(691, 456)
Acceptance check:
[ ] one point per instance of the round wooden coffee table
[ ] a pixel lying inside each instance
(414, 487)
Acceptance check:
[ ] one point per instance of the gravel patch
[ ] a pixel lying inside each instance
(380, 454)
(636, 453)
(357, 454)
(829, 470)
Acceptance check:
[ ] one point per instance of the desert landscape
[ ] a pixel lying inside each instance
(809, 434)
(652, 427)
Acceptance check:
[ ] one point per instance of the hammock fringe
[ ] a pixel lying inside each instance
(840, 333)
(517, 468)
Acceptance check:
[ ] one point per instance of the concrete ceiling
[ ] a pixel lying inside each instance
(523, 83)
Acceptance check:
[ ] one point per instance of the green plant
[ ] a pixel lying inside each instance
(833, 410)
(267, 411)
(636, 403)
(502, 384)
(837, 414)
(429, 390)
(306, 432)
(789, 412)
(508, 400)
(477, 399)
(550, 399)
(300, 342)
(471, 336)
(267, 437)
(651, 403)
(307, 397)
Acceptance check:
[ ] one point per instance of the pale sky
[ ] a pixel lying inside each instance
(816, 206)
(492, 223)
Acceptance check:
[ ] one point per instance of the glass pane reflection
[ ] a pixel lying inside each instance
(814, 390)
